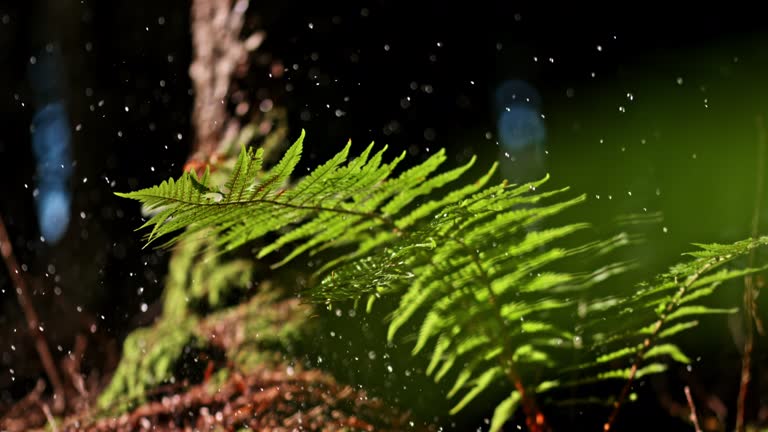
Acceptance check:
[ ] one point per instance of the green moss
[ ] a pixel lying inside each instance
(149, 359)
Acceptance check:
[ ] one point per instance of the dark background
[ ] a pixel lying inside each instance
(693, 163)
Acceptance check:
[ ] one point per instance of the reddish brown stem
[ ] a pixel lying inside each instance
(534, 418)
(652, 337)
(33, 323)
(694, 418)
(49, 416)
(750, 308)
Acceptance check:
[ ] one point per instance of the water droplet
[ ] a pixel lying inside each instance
(577, 342)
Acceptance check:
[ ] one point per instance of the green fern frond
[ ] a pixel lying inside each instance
(338, 203)
(477, 272)
(630, 330)
(504, 411)
(469, 259)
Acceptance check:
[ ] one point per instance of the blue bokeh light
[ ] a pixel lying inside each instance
(520, 129)
(51, 144)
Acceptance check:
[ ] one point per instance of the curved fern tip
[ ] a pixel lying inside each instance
(391, 334)
(493, 167)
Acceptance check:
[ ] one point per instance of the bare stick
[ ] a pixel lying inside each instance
(33, 323)
(49, 417)
(694, 418)
(750, 306)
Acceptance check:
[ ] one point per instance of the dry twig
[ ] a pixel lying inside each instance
(693, 417)
(751, 319)
(33, 322)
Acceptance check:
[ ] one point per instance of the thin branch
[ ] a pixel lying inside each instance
(18, 409)
(751, 319)
(33, 323)
(694, 418)
(49, 416)
(71, 366)
(759, 192)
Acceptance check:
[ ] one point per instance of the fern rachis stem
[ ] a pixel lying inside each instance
(649, 340)
(385, 220)
(534, 419)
